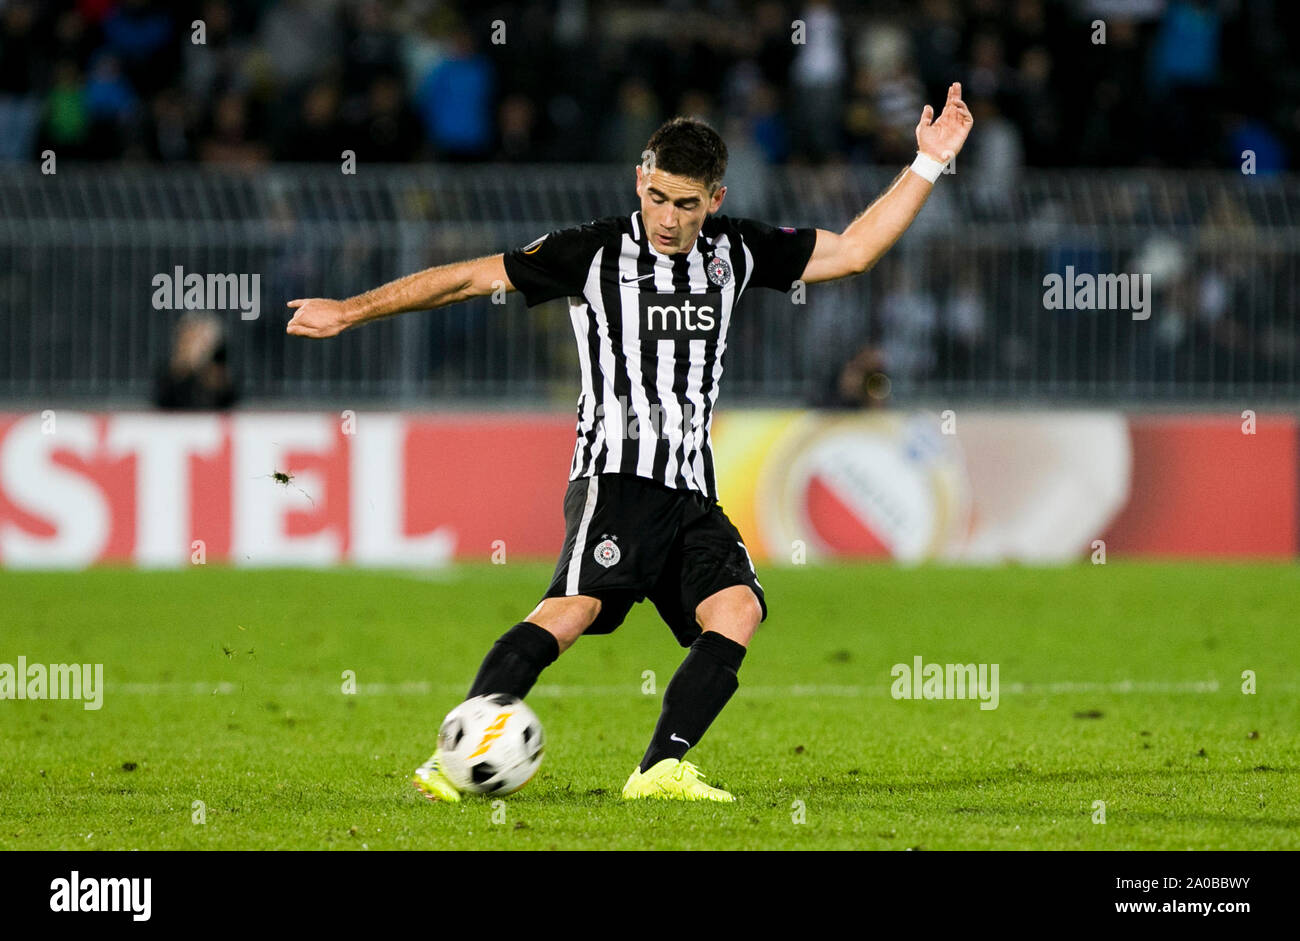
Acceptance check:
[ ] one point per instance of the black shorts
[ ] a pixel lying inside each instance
(628, 538)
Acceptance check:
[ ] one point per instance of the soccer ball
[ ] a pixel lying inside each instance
(490, 744)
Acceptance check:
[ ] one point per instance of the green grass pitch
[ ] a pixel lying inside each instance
(1118, 683)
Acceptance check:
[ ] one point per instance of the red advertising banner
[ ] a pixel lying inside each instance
(411, 490)
(1211, 486)
(287, 489)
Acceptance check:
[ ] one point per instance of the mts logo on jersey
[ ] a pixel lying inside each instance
(670, 316)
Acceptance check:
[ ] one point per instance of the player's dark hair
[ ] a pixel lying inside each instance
(689, 147)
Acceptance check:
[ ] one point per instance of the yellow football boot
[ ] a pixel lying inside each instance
(671, 779)
(433, 784)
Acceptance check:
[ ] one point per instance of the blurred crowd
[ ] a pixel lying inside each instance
(971, 317)
(1174, 83)
(1170, 84)
(1219, 323)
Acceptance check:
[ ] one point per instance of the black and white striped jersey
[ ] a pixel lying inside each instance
(651, 331)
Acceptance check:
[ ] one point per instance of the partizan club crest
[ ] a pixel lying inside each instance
(607, 553)
(718, 270)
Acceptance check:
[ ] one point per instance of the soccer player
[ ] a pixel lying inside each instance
(651, 296)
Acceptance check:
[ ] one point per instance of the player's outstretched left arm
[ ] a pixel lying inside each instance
(874, 232)
(320, 317)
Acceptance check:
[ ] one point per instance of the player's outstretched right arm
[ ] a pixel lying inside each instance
(320, 317)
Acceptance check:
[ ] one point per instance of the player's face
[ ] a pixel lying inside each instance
(674, 207)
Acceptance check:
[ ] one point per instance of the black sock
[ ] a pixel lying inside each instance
(515, 661)
(694, 697)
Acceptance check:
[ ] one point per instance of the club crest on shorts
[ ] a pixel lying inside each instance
(607, 553)
(718, 270)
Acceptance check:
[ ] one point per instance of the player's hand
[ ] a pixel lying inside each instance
(317, 317)
(941, 139)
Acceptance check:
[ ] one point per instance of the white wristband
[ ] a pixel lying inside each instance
(926, 167)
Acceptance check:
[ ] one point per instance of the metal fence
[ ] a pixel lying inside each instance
(956, 312)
